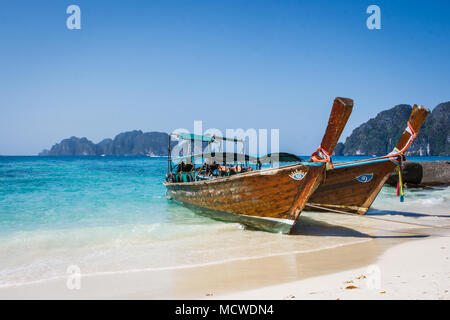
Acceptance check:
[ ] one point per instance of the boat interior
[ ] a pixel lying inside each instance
(211, 162)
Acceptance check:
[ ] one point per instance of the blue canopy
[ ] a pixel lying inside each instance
(192, 137)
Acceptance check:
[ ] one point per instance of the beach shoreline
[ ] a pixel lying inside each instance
(251, 278)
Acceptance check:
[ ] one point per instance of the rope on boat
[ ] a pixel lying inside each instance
(321, 155)
(389, 157)
(374, 218)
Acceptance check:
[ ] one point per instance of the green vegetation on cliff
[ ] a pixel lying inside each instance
(379, 135)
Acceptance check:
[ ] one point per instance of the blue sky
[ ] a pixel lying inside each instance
(160, 65)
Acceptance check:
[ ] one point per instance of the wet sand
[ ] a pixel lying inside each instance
(200, 282)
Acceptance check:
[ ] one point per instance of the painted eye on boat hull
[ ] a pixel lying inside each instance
(297, 175)
(365, 177)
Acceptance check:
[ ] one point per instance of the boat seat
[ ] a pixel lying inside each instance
(187, 177)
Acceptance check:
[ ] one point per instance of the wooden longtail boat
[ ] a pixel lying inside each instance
(353, 186)
(268, 199)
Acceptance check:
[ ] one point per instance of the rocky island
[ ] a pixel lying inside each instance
(132, 143)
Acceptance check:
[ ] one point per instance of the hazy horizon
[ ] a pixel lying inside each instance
(147, 131)
(160, 65)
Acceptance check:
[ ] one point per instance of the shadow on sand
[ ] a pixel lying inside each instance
(304, 226)
(376, 212)
(310, 227)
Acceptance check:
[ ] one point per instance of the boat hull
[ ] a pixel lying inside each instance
(269, 194)
(351, 188)
(274, 225)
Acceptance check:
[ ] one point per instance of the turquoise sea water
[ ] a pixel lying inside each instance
(110, 214)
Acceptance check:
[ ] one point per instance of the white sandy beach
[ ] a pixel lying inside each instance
(415, 269)
(418, 269)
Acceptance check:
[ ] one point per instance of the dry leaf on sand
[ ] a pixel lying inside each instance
(351, 287)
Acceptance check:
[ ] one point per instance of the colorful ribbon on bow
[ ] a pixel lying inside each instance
(400, 185)
(322, 155)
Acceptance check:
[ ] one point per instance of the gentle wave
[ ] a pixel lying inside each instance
(189, 266)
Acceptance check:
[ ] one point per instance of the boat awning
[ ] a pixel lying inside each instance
(194, 137)
(197, 137)
(230, 157)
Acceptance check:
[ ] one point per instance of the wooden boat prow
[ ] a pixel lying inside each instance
(340, 112)
(263, 198)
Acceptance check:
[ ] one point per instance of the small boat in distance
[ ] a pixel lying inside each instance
(268, 199)
(351, 187)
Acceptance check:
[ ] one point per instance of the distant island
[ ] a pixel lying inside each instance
(132, 143)
(378, 136)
